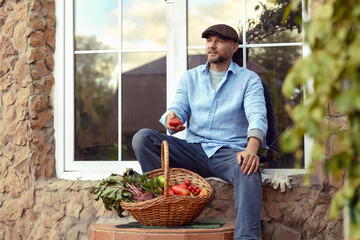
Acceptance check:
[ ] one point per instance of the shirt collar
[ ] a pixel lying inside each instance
(232, 67)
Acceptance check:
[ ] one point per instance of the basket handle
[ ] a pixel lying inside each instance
(165, 166)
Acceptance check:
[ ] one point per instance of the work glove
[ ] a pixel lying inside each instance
(280, 180)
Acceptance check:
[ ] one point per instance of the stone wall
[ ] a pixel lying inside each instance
(36, 205)
(298, 213)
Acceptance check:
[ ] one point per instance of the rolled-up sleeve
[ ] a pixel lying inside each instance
(255, 108)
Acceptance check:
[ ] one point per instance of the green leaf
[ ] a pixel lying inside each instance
(325, 13)
(347, 100)
(317, 152)
(288, 141)
(337, 203)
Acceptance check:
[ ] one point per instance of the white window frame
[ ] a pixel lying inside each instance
(64, 103)
(176, 58)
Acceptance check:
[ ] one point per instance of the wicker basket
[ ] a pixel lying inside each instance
(169, 210)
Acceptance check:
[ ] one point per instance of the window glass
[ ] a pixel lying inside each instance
(143, 24)
(204, 13)
(96, 22)
(264, 22)
(96, 120)
(272, 65)
(139, 51)
(143, 96)
(196, 57)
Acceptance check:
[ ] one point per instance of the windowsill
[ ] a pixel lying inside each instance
(97, 175)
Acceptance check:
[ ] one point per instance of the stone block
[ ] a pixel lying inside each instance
(19, 38)
(28, 198)
(4, 164)
(30, 216)
(8, 28)
(42, 119)
(283, 232)
(35, 54)
(37, 104)
(37, 21)
(273, 210)
(50, 63)
(73, 209)
(50, 37)
(41, 67)
(9, 98)
(21, 10)
(20, 137)
(11, 210)
(50, 217)
(37, 39)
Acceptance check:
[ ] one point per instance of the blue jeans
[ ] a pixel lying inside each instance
(223, 164)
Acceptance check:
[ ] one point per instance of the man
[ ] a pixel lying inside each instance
(227, 126)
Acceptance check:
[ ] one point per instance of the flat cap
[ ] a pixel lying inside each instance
(223, 31)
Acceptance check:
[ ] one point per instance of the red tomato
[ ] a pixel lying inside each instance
(180, 190)
(187, 182)
(174, 122)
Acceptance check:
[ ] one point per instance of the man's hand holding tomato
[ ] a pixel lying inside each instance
(172, 125)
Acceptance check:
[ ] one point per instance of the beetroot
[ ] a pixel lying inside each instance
(143, 196)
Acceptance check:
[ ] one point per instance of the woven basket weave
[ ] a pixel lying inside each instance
(169, 210)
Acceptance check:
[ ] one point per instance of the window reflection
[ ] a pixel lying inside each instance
(272, 64)
(143, 24)
(143, 96)
(96, 120)
(204, 13)
(264, 22)
(97, 22)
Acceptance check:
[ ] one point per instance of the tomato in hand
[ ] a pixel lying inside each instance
(174, 122)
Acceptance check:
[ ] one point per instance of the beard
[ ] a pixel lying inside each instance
(219, 59)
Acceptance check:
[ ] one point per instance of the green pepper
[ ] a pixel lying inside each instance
(161, 180)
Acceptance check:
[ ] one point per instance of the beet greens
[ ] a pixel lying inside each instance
(129, 187)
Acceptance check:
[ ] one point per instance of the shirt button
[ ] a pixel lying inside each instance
(211, 114)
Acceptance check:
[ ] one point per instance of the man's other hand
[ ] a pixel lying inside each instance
(249, 162)
(248, 159)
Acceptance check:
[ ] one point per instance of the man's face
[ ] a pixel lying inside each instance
(219, 50)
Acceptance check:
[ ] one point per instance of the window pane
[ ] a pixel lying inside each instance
(143, 84)
(96, 119)
(96, 24)
(272, 65)
(264, 22)
(196, 58)
(204, 13)
(143, 24)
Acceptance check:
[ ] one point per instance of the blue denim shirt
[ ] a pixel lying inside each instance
(222, 118)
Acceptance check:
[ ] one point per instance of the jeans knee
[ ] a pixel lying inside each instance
(139, 137)
(252, 180)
